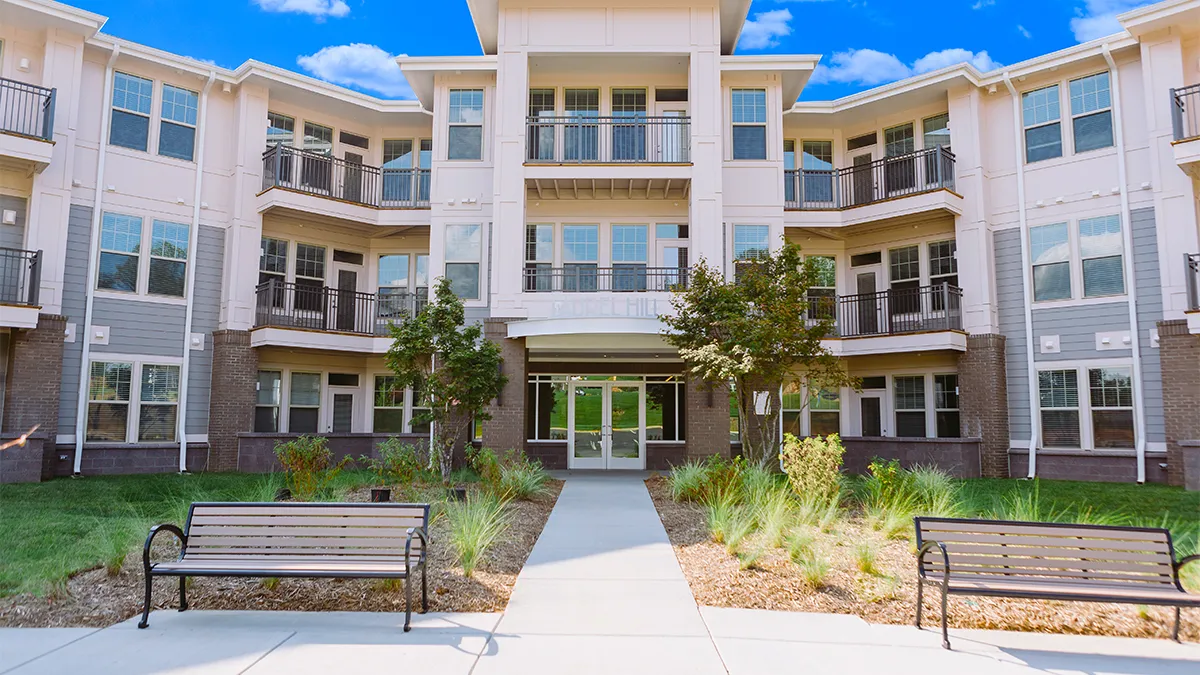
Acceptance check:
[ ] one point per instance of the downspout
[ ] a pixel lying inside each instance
(93, 265)
(193, 244)
(1035, 421)
(1139, 420)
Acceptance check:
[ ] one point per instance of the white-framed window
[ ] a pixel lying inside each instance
(899, 140)
(310, 278)
(267, 401)
(943, 262)
(132, 101)
(1040, 115)
(749, 107)
(272, 267)
(908, 393)
(581, 256)
(546, 408)
(822, 294)
(1111, 392)
(465, 134)
(168, 259)
(389, 406)
(666, 408)
(393, 283)
(118, 411)
(539, 257)
(1091, 112)
(281, 130)
(751, 242)
(1050, 250)
(177, 128)
(304, 403)
(824, 413)
(120, 252)
(630, 253)
(121, 261)
(158, 409)
(945, 405)
(904, 274)
(1101, 252)
(110, 391)
(936, 131)
(1085, 261)
(1058, 395)
(464, 251)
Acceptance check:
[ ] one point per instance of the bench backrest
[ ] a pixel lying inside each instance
(998, 549)
(301, 530)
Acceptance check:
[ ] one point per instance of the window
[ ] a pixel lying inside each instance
(281, 130)
(817, 162)
(943, 269)
(272, 267)
(936, 131)
(581, 142)
(749, 123)
(945, 405)
(120, 245)
(735, 428)
(860, 142)
(898, 140)
(463, 249)
(157, 415)
(629, 137)
(266, 408)
(791, 407)
(1040, 115)
(131, 101)
(1091, 113)
(1100, 248)
(539, 257)
(310, 278)
(904, 269)
(541, 134)
(546, 409)
(909, 393)
(354, 140)
(629, 257)
(750, 242)
(389, 405)
(1059, 398)
(418, 409)
(666, 409)
(1051, 254)
(109, 392)
(822, 294)
(397, 170)
(1112, 407)
(168, 259)
(177, 130)
(318, 139)
(824, 413)
(466, 124)
(316, 167)
(304, 403)
(581, 251)
(392, 282)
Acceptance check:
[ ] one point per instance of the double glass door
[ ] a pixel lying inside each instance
(606, 425)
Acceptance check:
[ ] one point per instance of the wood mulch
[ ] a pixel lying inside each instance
(886, 597)
(93, 598)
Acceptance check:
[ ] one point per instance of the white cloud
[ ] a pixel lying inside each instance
(359, 65)
(317, 8)
(871, 67)
(1098, 18)
(1024, 32)
(980, 4)
(765, 29)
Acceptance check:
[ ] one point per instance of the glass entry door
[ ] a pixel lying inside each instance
(607, 422)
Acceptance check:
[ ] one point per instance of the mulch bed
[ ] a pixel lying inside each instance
(888, 597)
(93, 598)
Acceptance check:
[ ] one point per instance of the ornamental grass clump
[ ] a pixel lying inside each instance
(813, 570)
(865, 558)
(475, 525)
(308, 467)
(740, 526)
(687, 481)
(522, 478)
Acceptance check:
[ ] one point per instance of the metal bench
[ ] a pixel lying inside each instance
(246, 539)
(1048, 561)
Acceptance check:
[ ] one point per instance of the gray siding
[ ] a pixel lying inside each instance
(1010, 301)
(139, 328)
(1076, 328)
(210, 255)
(1149, 313)
(79, 233)
(13, 236)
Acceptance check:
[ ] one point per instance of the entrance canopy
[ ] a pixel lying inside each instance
(584, 339)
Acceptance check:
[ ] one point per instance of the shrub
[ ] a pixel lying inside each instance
(475, 525)
(865, 559)
(687, 481)
(892, 524)
(937, 493)
(723, 478)
(813, 465)
(486, 463)
(748, 560)
(522, 478)
(308, 466)
(398, 463)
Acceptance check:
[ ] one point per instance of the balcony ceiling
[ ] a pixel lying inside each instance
(617, 189)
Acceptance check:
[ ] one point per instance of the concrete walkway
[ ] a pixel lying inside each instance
(602, 592)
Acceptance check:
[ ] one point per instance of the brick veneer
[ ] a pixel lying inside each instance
(506, 429)
(1088, 465)
(23, 464)
(960, 457)
(119, 459)
(552, 454)
(256, 451)
(231, 407)
(1179, 352)
(35, 377)
(983, 401)
(707, 419)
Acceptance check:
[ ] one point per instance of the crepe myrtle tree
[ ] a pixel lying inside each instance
(452, 365)
(757, 332)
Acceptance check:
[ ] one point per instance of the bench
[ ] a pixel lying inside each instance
(1049, 561)
(296, 539)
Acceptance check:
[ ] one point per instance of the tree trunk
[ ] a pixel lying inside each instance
(760, 433)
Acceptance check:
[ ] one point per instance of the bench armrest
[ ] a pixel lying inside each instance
(1179, 566)
(419, 532)
(925, 548)
(165, 527)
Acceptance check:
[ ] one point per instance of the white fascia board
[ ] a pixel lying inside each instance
(89, 23)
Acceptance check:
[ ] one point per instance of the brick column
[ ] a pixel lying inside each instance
(707, 419)
(1179, 352)
(506, 429)
(35, 378)
(983, 401)
(231, 406)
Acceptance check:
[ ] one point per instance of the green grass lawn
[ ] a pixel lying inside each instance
(1149, 505)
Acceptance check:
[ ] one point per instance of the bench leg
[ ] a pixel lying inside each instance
(1175, 630)
(920, 596)
(424, 589)
(183, 594)
(945, 630)
(146, 606)
(407, 603)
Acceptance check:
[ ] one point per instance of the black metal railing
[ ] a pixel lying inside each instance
(636, 139)
(588, 278)
(898, 310)
(27, 109)
(1185, 112)
(1193, 280)
(325, 176)
(311, 307)
(20, 277)
(887, 178)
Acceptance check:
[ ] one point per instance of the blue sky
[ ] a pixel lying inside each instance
(863, 43)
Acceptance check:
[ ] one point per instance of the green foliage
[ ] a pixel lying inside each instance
(739, 526)
(865, 558)
(475, 525)
(755, 332)
(398, 463)
(813, 570)
(799, 545)
(309, 467)
(1026, 504)
(772, 507)
(269, 583)
(521, 478)
(687, 481)
(813, 465)
(486, 463)
(748, 560)
(891, 496)
(719, 514)
(818, 512)
(455, 369)
(115, 539)
(265, 489)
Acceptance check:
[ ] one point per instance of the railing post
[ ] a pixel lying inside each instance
(48, 123)
(278, 164)
(35, 278)
(1176, 115)
(946, 303)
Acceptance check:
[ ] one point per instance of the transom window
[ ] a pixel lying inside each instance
(749, 107)
(1040, 114)
(1091, 112)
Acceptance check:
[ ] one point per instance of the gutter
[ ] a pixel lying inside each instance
(93, 266)
(189, 292)
(1135, 331)
(1035, 421)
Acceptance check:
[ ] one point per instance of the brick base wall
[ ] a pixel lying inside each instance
(960, 457)
(24, 464)
(256, 451)
(35, 377)
(1089, 466)
(707, 419)
(121, 460)
(552, 455)
(506, 429)
(231, 406)
(1179, 352)
(663, 456)
(983, 401)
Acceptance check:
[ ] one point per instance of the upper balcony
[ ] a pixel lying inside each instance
(26, 124)
(588, 278)
(314, 316)
(1185, 123)
(20, 285)
(899, 320)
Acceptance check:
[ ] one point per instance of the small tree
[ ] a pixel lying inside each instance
(756, 332)
(455, 369)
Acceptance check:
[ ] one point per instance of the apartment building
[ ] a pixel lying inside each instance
(199, 262)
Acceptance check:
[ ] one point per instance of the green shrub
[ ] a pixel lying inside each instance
(522, 478)
(748, 560)
(892, 524)
(813, 465)
(687, 481)
(486, 463)
(475, 525)
(398, 463)
(308, 466)
(723, 478)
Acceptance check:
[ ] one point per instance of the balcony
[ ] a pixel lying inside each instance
(588, 278)
(1192, 270)
(26, 124)
(20, 285)
(881, 180)
(364, 189)
(301, 309)
(925, 318)
(1185, 123)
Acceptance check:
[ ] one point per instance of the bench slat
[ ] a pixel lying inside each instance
(323, 510)
(302, 542)
(288, 565)
(929, 528)
(1017, 565)
(289, 531)
(1031, 552)
(393, 520)
(1051, 541)
(1126, 594)
(251, 559)
(1066, 576)
(292, 551)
